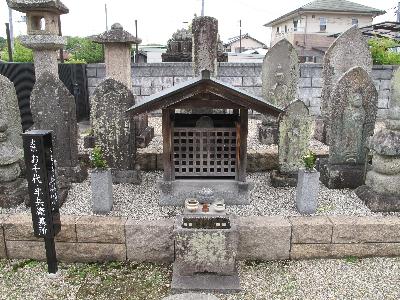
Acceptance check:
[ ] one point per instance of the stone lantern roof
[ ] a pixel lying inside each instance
(117, 34)
(54, 6)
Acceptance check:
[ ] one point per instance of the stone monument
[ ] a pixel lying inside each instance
(352, 113)
(117, 55)
(381, 191)
(280, 76)
(295, 130)
(113, 130)
(52, 106)
(179, 47)
(13, 188)
(349, 50)
(205, 45)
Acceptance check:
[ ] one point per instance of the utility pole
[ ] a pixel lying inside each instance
(202, 8)
(240, 36)
(60, 34)
(398, 12)
(10, 20)
(105, 10)
(10, 56)
(137, 45)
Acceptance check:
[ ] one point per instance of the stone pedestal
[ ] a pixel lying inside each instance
(342, 176)
(378, 202)
(307, 191)
(205, 253)
(102, 191)
(13, 193)
(283, 180)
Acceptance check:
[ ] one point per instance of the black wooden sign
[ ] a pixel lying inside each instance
(43, 193)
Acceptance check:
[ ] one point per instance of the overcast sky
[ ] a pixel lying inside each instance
(158, 19)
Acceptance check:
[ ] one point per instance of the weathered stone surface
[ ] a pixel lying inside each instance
(354, 106)
(201, 250)
(295, 130)
(68, 252)
(341, 176)
(150, 241)
(9, 111)
(90, 252)
(55, 6)
(190, 296)
(280, 74)
(311, 251)
(53, 108)
(307, 191)
(68, 229)
(268, 134)
(116, 34)
(113, 129)
(378, 202)
(365, 229)
(311, 230)
(3, 253)
(349, 50)
(264, 238)
(91, 229)
(102, 191)
(205, 45)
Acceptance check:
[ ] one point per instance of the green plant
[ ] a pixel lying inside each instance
(96, 159)
(351, 259)
(83, 50)
(20, 53)
(309, 160)
(381, 51)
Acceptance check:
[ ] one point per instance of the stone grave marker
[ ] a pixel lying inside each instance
(114, 129)
(381, 191)
(280, 76)
(295, 130)
(352, 113)
(349, 50)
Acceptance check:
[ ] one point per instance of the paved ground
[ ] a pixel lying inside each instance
(350, 278)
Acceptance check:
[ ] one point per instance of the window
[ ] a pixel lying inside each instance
(354, 21)
(295, 24)
(277, 29)
(285, 28)
(322, 24)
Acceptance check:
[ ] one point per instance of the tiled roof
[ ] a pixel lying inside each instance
(331, 6)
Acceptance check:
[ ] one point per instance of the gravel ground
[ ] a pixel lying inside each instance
(141, 201)
(351, 278)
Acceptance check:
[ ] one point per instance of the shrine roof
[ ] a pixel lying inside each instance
(204, 84)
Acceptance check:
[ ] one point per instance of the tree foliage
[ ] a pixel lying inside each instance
(3, 43)
(84, 51)
(382, 53)
(20, 53)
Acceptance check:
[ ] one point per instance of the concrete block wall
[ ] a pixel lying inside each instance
(103, 238)
(148, 79)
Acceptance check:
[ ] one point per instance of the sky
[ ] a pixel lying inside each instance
(159, 19)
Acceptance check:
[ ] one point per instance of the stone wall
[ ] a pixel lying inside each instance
(151, 78)
(97, 238)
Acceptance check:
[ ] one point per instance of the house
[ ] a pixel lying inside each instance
(246, 42)
(309, 27)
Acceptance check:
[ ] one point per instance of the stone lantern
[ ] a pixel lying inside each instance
(117, 53)
(42, 18)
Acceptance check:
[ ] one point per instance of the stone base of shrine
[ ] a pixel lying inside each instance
(283, 180)
(341, 176)
(204, 190)
(378, 202)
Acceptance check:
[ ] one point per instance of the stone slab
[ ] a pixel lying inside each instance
(348, 229)
(98, 229)
(342, 176)
(205, 282)
(150, 240)
(283, 180)
(68, 252)
(312, 251)
(377, 202)
(177, 191)
(311, 230)
(264, 238)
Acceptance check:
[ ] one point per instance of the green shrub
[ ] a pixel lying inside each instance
(309, 160)
(20, 53)
(96, 159)
(380, 51)
(84, 50)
